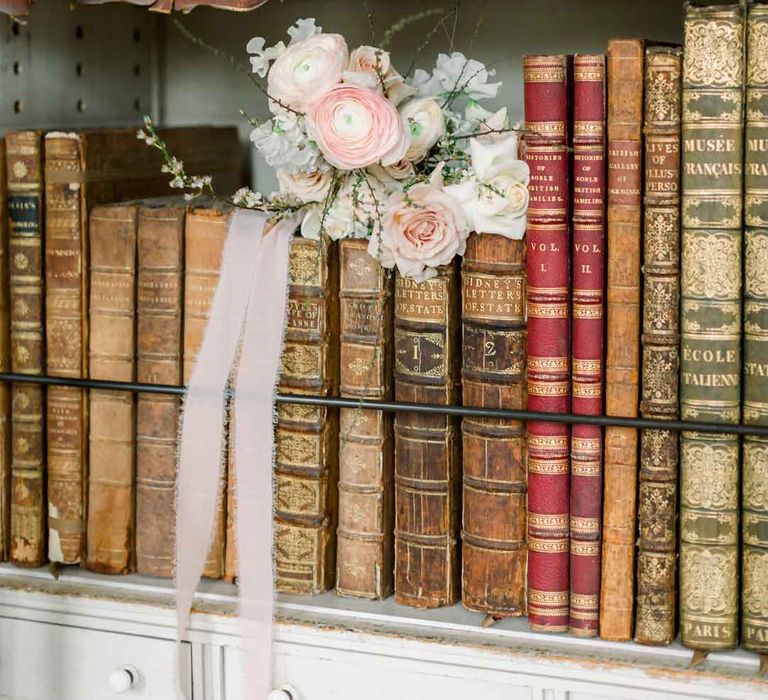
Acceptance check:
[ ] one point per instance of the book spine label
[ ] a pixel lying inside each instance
(306, 461)
(205, 231)
(493, 376)
(112, 233)
(549, 345)
(587, 346)
(25, 248)
(622, 365)
(365, 544)
(5, 366)
(712, 164)
(754, 609)
(657, 500)
(427, 449)
(66, 255)
(158, 358)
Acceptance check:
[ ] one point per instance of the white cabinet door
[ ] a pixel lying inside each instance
(40, 661)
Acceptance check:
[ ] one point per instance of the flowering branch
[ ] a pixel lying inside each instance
(405, 22)
(429, 36)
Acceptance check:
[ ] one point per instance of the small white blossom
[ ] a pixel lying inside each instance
(141, 135)
(303, 29)
(189, 196)
(177, 182)
(245, 197)
(285, 145)
(262, 57)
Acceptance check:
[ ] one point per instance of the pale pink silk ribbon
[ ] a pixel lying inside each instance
(248, 310)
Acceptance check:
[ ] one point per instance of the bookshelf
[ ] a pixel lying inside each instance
(67, 637)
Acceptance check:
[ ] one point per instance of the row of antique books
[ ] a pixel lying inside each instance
(673, 167)
(71, 469)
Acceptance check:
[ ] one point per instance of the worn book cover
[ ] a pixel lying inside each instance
(427, 446)
(5, 366)
(25, 252)
(158, 361)
(622, 364)
(548, 362)
(710, 357)
(493, 376)
(754, 590)
(112, 446)
(307, 449)
(365, 540)
(655, 616)
(205, 232)
(587, 344)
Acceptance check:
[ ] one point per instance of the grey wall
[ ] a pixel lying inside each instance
(199, 87)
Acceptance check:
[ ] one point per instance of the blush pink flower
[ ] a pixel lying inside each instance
(422, 229)
(355, 127)
(305, 70)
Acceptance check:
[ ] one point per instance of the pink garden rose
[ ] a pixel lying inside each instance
(306, 70)
(422, 229)
(355, 127)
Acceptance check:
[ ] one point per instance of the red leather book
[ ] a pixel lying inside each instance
(587, 345)
(549, 347)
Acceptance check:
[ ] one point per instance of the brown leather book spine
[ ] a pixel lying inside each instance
(66, 256)
(230, 534)
(25, 247)
(493, 376)
(365, 537)
(427, 446)
(158, 350)
(625, 158)
(307, 452)
(204, 236)
(657, 500)
(112, 233)
(5, 366)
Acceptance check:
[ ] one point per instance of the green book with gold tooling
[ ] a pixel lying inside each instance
(710, 377)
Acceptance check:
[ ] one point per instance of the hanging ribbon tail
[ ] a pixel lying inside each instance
(255, 386)
(201, 449)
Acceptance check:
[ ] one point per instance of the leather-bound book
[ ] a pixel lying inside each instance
(307, 448)
(657, 501)
(493, 376)
(111, 353)
(622, 364)
(84, 169)
(546, 85)
(205, 232)
(754, 610)
(587, 345)
(427, 447)
(5, 366)
(230, 533)
(365, 544)
(25, 251)
(158, 357)
(15, 8)
(710, 357)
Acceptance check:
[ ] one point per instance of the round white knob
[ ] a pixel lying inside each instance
(123, 679)
(284, 693)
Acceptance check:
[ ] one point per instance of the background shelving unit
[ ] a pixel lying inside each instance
(61, 638)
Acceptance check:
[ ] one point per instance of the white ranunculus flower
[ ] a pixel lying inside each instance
(424, 119)
(496, 198)
(456, 73)
(307, 187)
(305, 70)
(356, 212)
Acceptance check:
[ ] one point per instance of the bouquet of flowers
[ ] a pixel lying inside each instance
(413, 163)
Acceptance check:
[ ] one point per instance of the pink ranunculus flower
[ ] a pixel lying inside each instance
(305, 70)
(422, 229)
(355, 127)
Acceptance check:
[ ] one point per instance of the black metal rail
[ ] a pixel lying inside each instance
(469, 411)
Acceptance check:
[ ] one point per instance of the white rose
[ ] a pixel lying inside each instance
(305, 70)
(308, 187)
(424, 119)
